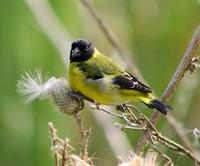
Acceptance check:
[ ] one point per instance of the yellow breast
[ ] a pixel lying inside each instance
(99, 92)
(103, 92)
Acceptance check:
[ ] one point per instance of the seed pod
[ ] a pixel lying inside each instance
(66, 100)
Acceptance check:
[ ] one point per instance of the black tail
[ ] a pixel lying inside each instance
(158, 105)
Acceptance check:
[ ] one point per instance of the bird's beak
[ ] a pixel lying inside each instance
(75, 52)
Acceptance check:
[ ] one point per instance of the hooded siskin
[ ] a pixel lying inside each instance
(104, 81)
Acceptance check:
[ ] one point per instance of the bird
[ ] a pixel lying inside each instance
(104, 81)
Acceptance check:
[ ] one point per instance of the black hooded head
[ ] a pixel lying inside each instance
(81, 50)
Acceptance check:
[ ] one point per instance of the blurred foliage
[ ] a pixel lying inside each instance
(155, 32)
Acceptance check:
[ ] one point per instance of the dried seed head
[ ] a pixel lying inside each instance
(131, 160)
(135, 160)
(67, 101)
(31, 87)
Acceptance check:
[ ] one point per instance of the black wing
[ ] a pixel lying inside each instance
(91, 71)
(130, 82)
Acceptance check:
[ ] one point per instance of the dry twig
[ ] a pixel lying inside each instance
(53, 135)
(111, 38)
(85, 136)
(146, 125)
(164, 157)
(179, 74)
(61, 150)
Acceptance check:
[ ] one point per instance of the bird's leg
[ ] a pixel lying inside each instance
(83, 97)
(121, 108)
(82, 105)
(97, 105)
(130, 117)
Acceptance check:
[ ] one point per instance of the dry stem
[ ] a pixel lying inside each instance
(179, 74)
(61, 149)
(53, 134)
(111, 38)
(64, 155)
(145, 124)
(85, 136)
(164, 157)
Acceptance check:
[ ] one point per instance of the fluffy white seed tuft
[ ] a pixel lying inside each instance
(31, 87)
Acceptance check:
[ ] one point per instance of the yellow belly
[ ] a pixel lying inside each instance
(101, 92)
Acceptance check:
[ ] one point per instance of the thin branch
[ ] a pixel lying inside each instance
(164, 157)
(183, 66)
(106, 111)
(118, 46)
(172, 145)
(111, 38)
(177, 147)
(179, 74)
(152, 133)
(111, 132)
(62, 149)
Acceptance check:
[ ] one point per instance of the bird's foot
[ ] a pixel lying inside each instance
(97, 105)
(83, 97)
(121, 108)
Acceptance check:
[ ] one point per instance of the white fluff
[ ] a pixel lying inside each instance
(31, 86)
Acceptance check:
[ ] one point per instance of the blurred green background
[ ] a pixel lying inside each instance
(155, 32)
